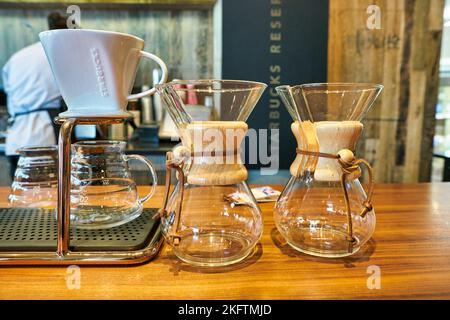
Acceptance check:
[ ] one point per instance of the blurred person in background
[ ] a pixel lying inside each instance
(33, 99)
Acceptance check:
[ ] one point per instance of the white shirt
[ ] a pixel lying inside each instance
(29, 84)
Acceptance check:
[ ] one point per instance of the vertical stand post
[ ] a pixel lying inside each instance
(63, 213)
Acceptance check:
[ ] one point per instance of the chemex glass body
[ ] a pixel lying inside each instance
(103, 193)
(324, 210)
(199, 221)
(36, 178)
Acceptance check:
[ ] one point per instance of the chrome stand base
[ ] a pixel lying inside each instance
(28, 237)
(82, 253)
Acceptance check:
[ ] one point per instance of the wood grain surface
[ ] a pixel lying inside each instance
(411, 246)
(403, 55)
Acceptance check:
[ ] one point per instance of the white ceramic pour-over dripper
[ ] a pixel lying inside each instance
(95, 70)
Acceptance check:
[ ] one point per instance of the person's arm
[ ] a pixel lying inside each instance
(5, 71)
(6, 87)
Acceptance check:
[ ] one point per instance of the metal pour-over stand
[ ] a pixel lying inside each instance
(27, 236)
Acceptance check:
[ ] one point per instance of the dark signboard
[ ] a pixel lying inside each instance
(275, 42)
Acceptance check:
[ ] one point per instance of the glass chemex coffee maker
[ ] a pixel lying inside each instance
(324, 210)
(95, 72)
(203, 227)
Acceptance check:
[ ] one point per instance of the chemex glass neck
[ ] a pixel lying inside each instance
(190, 101)
(329, 101)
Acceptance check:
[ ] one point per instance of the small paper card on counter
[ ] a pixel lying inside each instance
(261, 194)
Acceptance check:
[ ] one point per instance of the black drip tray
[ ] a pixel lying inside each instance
(24, 229)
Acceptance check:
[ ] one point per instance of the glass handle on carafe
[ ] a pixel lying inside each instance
(174, 160)
(367, 204)
(349, 165)
(173, 163)
(152, 173)
(177, 164)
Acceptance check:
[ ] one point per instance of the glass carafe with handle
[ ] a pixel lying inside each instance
(199, 222)
(104, 193)
(324, 210)
(36, 178)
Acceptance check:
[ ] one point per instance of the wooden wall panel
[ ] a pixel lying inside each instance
(182, 38)
(403, 56)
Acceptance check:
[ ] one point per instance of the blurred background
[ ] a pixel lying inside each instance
(402, 44)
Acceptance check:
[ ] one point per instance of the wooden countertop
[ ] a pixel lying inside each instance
(411, 246)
